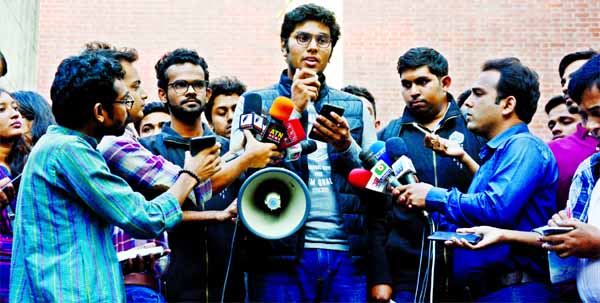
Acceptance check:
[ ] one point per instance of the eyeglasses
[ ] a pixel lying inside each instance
(304, 39)
(181, 86)
(127, 100)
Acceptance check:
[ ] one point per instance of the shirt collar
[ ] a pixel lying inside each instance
(61, 130)
(493, 144)
(581, 131)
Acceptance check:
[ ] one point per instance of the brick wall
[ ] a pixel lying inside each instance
(241, 37)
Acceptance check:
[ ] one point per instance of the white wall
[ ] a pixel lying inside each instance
(18, 42)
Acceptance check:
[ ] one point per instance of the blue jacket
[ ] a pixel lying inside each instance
(395, 233)
(199, 250)
(350, 205)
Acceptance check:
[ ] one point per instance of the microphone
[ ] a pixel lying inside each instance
(295, 133)
(362, 178)
(280, 112)
(379, 168)
(281, 109)
(305, 147)
(251, 117)
(403, 166)
(379, 150)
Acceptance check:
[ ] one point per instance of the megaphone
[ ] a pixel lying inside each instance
(273, 203)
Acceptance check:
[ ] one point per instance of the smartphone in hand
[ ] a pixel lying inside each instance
(326, 112)
(198, 144)
(447, 236)
(552, 230)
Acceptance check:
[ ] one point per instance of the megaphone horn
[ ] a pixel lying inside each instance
(273, 203)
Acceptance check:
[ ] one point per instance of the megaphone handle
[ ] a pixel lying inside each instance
(237, 219)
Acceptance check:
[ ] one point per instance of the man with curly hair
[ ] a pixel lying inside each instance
(63, 250)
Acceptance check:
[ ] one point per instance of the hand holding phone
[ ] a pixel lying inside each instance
(197, 144)
(447, 236)
(552, 230)
(326, 112)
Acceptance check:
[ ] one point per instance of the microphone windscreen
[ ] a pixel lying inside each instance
(252, 103)
(379, 150)
(295, 133)
(308, 146)
(359, 177)
(281, 109)
(396, 148)
(368, 159)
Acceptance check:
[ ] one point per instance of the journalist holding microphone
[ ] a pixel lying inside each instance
(514, 188)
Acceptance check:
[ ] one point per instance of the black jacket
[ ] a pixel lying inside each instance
(199, 251)
(395, 234)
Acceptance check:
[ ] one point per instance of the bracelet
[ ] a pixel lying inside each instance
(191, 174)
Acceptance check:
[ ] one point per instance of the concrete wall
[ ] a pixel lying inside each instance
(19, 43)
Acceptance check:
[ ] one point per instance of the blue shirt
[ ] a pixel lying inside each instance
(63, 249)
(582, 186)
(515, 189)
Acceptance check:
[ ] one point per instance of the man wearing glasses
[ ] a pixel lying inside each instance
(199, 251)
(64, 221)
(323, 262)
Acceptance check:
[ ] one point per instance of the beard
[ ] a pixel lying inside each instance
(186, 115)
(116, 130)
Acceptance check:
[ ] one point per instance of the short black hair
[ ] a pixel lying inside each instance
(361, 92)
(310, 12)
(572, 57)
(463, 97)
(585, 78)
(155, 107)
(519, 81)
(420, 56)
(4, 64)
(149, 108)
(178, 56)
(223, 86)
(35, 108)
(79, 83)
(554, 102)
(120, 54)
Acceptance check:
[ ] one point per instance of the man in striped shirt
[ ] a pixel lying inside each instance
(63, 248)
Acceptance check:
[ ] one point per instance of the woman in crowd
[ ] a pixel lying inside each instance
(36, 113)
(13, 154)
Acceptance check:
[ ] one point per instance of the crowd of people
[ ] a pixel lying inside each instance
(103, 171)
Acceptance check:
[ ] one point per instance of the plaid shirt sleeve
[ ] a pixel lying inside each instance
(143, 170)
(580, 191)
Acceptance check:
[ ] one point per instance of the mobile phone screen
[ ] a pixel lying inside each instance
(326, 112)
(197, 144)
(445, 236)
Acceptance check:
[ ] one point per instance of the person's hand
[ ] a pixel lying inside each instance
(228, 213)
(412, 195)
(305, 88)
(381, 293)
(7, 194)
(558, 218)
(489, 235)
(206, 163)
(261, 154)
(335, 132)
(444, 146)
(582, 242)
